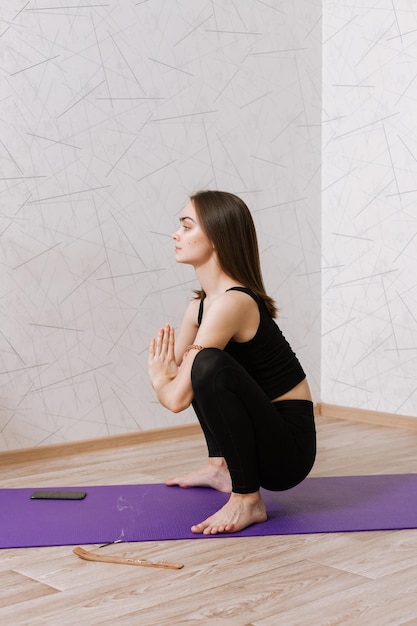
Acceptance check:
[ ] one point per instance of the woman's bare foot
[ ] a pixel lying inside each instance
(214, 474)
(240, 511)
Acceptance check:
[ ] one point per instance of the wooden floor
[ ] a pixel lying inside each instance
(356, 579)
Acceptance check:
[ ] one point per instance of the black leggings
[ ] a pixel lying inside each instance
(265, 444)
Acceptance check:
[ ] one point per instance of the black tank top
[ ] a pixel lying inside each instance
(267, 357)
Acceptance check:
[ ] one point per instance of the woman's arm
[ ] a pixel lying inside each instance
(188, 330)
(226, 317)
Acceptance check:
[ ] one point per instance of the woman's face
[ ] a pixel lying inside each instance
(191, 243)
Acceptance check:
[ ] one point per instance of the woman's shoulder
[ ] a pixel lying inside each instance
(242, 289)
(238, 300)
(252, 299)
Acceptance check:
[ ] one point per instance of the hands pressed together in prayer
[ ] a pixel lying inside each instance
(162, 366)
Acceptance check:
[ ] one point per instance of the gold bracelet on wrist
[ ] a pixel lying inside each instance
(192, 346)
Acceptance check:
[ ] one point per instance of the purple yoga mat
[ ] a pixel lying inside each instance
(157, 512)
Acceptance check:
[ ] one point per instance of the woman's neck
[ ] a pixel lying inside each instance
(214, 281)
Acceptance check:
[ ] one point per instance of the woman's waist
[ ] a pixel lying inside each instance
(301, 391)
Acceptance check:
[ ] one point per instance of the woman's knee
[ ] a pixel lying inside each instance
(206, 364)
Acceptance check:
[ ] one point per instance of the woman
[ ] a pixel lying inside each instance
(232, 363)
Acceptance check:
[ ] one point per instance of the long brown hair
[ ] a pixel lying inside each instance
(228, 224)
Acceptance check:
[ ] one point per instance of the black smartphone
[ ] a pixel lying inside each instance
(47, 494)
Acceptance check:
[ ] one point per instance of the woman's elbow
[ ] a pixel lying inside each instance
(174, 397)
(177, 408)
(176, 405)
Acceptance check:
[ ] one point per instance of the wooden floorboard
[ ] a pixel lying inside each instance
(358, 579)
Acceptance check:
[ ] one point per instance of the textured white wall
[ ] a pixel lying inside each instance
(369, 346)
(110, 115)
